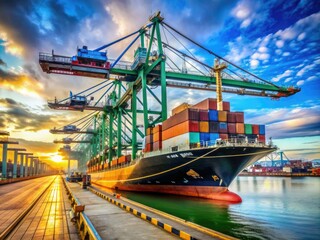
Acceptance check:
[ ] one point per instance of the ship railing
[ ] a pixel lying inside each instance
(206, 144)
(54, 58)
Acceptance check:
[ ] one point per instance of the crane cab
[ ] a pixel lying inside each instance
(70, 128)
(90, 58)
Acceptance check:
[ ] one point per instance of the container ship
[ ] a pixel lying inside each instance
(197, 152)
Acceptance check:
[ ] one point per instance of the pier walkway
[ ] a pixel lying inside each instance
(115, 218)
(36, 209)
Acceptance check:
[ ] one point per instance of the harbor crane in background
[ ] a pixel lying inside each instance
(128, 87)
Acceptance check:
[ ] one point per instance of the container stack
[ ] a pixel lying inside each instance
(181, 129)
(203, 124)
(149, 140)
(157, 138)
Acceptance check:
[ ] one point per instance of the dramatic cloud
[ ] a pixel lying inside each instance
(14, 115)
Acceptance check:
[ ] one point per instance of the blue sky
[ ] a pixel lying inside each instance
(278, 40)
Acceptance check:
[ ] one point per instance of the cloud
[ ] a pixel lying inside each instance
(288, 122)
(17, 116)
(2, 63)
(286, 73)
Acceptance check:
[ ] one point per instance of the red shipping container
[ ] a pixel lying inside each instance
(255, 129)
(232, 128)
(231, 116)
(157, 129)
(157, 146)
(209, 103)
(239, 117)
(128, 158)
(148, 147)
(226, 106)
(262, 138)
(185, 115)
(223, 136)
(203, 115)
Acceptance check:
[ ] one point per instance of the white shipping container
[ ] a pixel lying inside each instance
(180, 140)
(287, 169)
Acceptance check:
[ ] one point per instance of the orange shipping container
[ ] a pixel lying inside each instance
(187, 126)
(157, 129)
(239, 128)
(122, 159)
(204, 126)
(149, 131)
(222, 116)
(180, 108)
(157, 137)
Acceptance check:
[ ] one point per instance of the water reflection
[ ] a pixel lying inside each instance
(272, 208)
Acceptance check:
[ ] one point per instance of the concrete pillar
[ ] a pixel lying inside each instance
(15, 161)
(26, 169)
(31, 166)
(21, 164)
(4, 160)
(37, 167)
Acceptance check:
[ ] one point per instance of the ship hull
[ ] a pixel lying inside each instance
(205, 172)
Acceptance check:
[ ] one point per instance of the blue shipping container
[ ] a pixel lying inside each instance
(214, 136)
(204, 137)
(213, 115)
(223, 125)
(262, 129)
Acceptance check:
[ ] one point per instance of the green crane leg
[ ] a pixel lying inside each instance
(134, 122)
(144, 100)
(110, 137)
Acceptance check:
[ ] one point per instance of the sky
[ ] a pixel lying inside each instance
(276, 39)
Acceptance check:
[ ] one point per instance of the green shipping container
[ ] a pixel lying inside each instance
(248, 128)
(194, 137)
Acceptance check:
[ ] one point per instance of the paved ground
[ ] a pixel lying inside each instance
(111, 222)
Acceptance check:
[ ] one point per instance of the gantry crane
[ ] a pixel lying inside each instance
(117, 125)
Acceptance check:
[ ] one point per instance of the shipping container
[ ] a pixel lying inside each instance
(247, 128)
(203, 115)
(149, 131)
(149, 139)
(231, 128)
(157, 129)
(214, 136)
(185, 115)
(207, 104)
(181, 140)
(204, 127)
(180, 108)
(213, 115)
(239, 128)
(128, 158)
(214, 127)
(262, 129)
(187, 126)
(239, 117)
(148, 147)
(255, 129)
(222, 116)
(223, 127)
(204, 137)
(262, 138)
(231, 117)
(157, 146)
(157, 137)
(121, 159)
(226, 106)
(223, 136)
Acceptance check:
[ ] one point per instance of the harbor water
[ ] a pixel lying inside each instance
(272, 208)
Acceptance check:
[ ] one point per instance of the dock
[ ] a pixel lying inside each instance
(52, 208)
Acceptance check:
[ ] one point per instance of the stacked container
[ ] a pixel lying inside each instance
(149, 140)
(201, 124)
(157, 138)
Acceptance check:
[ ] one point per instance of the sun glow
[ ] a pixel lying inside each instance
(57, 158)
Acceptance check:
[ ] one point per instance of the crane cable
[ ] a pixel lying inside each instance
(216, 55)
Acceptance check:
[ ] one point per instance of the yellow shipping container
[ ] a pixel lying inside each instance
(204, 126)
(222, 116)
